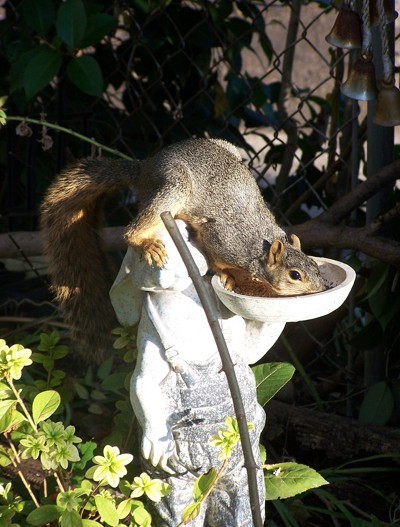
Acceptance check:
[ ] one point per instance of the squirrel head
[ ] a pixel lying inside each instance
(289, 270)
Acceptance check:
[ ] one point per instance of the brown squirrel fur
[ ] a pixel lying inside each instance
(201, 181)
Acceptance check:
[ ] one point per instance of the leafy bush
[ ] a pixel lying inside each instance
(84, 485)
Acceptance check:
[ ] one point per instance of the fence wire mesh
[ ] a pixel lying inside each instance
(259, 74)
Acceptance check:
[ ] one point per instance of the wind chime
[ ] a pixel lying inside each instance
(352, 31)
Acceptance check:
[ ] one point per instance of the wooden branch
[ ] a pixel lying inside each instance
(314, 233)
(328, 230)
(338, 437)
(354, 199)
(389, 216)
(16, 244)
(13, 245)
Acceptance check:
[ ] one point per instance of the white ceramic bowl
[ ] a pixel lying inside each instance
(339, 277)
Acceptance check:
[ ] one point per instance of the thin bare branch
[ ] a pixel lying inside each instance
(354, 199)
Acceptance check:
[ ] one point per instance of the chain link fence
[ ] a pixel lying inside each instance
(259, 74)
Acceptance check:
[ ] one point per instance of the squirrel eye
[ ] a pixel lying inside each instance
(295, 275)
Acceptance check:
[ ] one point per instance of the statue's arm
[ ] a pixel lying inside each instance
(259, 338)
(148, 403)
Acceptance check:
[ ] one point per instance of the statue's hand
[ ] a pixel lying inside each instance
(158, 448)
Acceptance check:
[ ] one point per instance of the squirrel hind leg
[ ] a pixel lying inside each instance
(143, 235)
(147, 243)
(153, 251)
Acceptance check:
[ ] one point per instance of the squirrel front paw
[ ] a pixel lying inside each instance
(227, 281)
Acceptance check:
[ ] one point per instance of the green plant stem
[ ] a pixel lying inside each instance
(88, 498)
(217, 478)
(68, 131)
(31, 422)
(50, 369)
(21, 403)
(128, 436)
(59, 482)
(205, 496)
(20, 473)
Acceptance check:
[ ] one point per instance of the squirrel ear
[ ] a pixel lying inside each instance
(295, 241)
(275, 253)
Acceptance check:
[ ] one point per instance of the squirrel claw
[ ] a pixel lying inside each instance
(154, 252)
(227, 281)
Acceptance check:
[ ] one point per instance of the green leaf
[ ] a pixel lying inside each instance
(41, 69)
(5, 406)
(105, 368)
(395, 387)
(85, 73)
(39, 358)
(140, 515)
(5, 390)
(81, 390)
(5, 516)
(86, 449)
(5, 459)
(98, 26)
(70, 519)
(204, 483)
(45, 514)
(285, 515)
(95, 409)
(114, 382)
(190, 512)
(336, 503)
(44, 405)
(124, 508)
(71, 22)
(107, 510)
(59, 374)
(38, 14)
(18, 67)
(378, 405)
(11, 419)
(91, 523)
(285, 480)
(60, 351)
(270, 378)
(263, 454)
(3, 117)
(48, 341)
(97, 395)
(9, 416)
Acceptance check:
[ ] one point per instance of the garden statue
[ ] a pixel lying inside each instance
(179, 392)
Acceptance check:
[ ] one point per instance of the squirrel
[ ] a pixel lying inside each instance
(200, 181)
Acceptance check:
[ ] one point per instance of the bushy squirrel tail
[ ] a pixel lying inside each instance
(81, 272)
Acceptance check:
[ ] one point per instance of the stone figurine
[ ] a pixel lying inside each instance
(179, 391)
